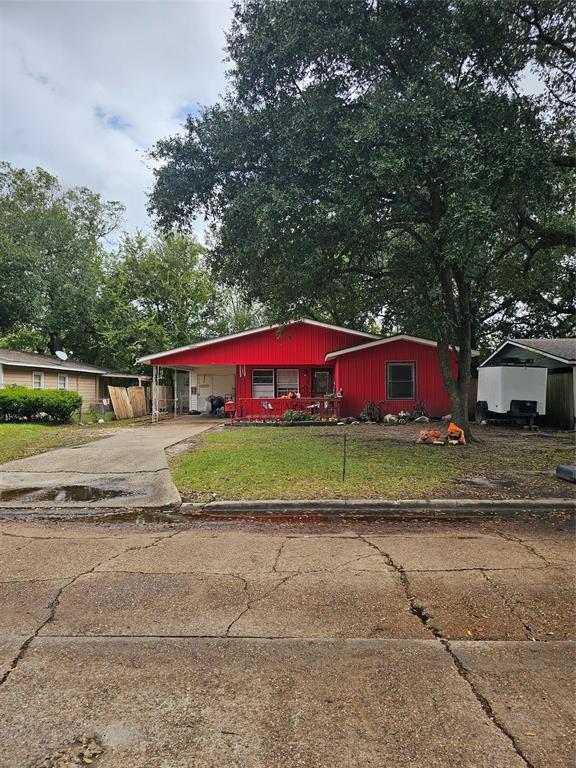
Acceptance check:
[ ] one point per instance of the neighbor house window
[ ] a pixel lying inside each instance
(401, 381)
(263, 382)
(62, 381)
(287, 380)
(37, 380)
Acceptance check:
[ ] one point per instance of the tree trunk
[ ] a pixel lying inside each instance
(456, 319)
(457, 325)
(457, 389)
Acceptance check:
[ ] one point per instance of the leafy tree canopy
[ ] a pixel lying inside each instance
(51, 259)
(64, 285)
(380, 153)
(158, 294)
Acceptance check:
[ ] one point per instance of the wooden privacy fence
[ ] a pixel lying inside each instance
(128, 403)
(137, 397)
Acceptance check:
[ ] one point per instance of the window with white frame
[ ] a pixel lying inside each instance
(287, 380)
(62, 381)
(263, 382)
(401, 381)
(37, 380)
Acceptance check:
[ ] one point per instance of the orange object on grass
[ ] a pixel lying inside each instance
(455, 434)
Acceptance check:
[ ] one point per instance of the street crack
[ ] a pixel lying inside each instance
(484, 703)
(54, 603)
(420, 611)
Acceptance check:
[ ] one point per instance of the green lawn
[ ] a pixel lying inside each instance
(382, 462)
(21, 440)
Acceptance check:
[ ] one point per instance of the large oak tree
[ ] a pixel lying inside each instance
(381, 153)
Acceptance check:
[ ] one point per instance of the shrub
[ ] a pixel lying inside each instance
(295, 416)
(21, 403)
(371, 412)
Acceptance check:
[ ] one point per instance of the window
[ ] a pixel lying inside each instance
(287, 380)
(62, 381)
(401, 384)
(263, 382)
(37, 380)
(321, 383)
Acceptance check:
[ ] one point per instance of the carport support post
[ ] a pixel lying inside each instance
(175, 390)
(154, 393)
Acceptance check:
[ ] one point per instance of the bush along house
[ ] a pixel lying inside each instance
(322, 368)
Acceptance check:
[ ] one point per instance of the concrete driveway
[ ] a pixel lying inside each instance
(254, 645)
(129, 469)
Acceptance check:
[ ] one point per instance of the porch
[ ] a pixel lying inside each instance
(257, 391)
(260, 408)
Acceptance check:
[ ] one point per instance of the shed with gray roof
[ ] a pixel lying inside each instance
(559, 357)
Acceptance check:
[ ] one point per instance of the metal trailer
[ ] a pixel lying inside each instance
(511, 392)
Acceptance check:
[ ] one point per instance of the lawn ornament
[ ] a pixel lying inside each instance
(455, 435)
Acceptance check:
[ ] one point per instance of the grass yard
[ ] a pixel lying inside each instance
(21, 440)
(382, 462)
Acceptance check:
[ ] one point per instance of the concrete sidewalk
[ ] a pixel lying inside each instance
(257, 645)
(129, 469)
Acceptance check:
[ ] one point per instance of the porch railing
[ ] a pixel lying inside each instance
(276, 407)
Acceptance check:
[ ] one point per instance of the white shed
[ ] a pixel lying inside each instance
(556, 355)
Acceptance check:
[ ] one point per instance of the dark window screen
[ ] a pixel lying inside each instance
(400, 381)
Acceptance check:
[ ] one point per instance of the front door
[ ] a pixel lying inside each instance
(182, 391)
(204, 392)
(321, 382)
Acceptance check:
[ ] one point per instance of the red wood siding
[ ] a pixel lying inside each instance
(296, 345)
(362, 376)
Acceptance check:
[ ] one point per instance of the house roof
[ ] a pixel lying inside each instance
(147, 358)
(32, 360)
(388, 340)
(563, 350)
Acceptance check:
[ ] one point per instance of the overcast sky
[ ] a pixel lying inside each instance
(87, 87)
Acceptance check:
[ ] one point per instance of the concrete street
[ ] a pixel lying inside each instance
(258, 644)
(129, 469)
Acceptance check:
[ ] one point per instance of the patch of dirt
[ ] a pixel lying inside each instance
(184, 447)
(85, 750)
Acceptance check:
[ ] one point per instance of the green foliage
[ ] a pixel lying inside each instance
(158, 294)
(62, 290)
(51, 258)
(20, 403)
(382, 462)
(381, 155)
(371, 412)
(293, 417)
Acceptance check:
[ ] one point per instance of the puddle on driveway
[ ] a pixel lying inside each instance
(62, 493)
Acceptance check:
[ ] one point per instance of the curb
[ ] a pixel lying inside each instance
(418, 507)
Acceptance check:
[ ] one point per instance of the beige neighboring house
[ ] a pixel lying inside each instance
(49, 372)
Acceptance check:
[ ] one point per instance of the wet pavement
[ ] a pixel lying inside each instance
(128, 469)
(284, 643)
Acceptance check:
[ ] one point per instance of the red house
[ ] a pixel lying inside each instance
(306, 365)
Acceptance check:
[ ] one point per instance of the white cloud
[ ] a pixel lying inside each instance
(87, 88)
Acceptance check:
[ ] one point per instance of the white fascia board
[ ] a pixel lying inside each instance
(400, 337)
(338, 328)
(40, 365)
(67, 368)
(528, 349)
(199, 344)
